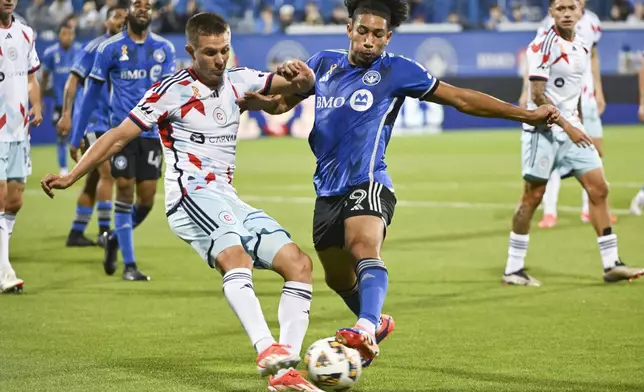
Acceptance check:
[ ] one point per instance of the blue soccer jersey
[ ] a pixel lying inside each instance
(130, 68)
(355, 110)
(59, 62)
(82, 67)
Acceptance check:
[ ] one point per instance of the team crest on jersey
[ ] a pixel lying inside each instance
(361, 100)
(124, 56)
(219, 115)
(227, 218)
(371, 78)
(328, 73)
(12, 53)
(559, 82)
(159, 55)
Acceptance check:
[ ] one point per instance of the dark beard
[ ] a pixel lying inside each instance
(135, 26)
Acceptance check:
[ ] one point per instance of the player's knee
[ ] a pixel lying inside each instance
(533, 197)
(293, 264)
(597, 192)
(231, 258)
(125, 190)
(364, 247)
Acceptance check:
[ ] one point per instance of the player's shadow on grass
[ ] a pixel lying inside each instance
(526, 382)
(206, 373)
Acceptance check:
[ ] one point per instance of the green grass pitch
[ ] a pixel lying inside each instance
(459, 329)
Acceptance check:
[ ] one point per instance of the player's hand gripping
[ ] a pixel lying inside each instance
(257, 102)
(52, 181)
(544, 114)
(297, 72)
(64, 125)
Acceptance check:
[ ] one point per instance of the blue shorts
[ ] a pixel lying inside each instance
(544, 152)
(211, 222)
(15, 163)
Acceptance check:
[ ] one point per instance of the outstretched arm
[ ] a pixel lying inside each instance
(105, 147)
(271, 104)
(90, 100)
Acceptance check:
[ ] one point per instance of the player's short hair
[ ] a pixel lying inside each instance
(114, 8)
(394, 11)
(205, 23)
(66, 23)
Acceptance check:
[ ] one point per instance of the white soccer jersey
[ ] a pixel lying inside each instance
(18, 59)
(562, 64)
(198, 128)
(588, 30)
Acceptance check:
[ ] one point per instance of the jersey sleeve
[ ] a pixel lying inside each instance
(169, 64)
(102, 63)
(597, 29)
(412, 80)
(83, 63)
(539, 57)
(154, 107)
(34, 61)
(250, 80)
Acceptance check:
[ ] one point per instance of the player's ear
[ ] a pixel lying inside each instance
(349, 28)
(389, 33)
(191, 51)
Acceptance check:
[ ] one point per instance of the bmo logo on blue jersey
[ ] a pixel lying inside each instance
(329, 102)
(361, 100)
(134, 74)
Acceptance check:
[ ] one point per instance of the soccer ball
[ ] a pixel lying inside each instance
(332, 366)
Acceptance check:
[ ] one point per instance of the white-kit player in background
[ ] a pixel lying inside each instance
(18, 87)
(198, 119)
(588, 31)
(557, 63)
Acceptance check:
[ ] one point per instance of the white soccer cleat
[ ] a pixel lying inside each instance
(520, 278)
(275, 358)
(10, 283)
(636, 205)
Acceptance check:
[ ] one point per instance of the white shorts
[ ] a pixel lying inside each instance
(592, 122)
(544, 152)
(15, 163)
(212, 222)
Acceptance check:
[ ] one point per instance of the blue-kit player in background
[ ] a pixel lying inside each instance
(57, 62)
(129, 62)
(358, 94)
(99, 183)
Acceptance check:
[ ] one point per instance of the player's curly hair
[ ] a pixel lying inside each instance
(395, 11)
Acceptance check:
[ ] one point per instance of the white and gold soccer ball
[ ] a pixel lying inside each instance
(332, 366)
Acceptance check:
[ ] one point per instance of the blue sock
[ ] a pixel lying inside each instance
(123, 230)
(83, 215)
(139, 213)
(374, 282)
(61, 152)
(104, 209)
(351, 297)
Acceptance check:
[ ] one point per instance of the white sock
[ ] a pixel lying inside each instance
(10, 218)
(238, 289)
(585, 207)
(293, 314)
(5, 266)
(608, 250)
(551, 196)
(367, 326)
(517, 252)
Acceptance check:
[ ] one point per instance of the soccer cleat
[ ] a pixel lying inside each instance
(622, 272)
(548, 221)
(276, 357)
(133, 274)
(520, 278)
(585, 217)
(78, 239)
(290, 380)
(387, 326)
(636, 205)
(111, 252)
(102, 239)
(360, 340)
(10, 283)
